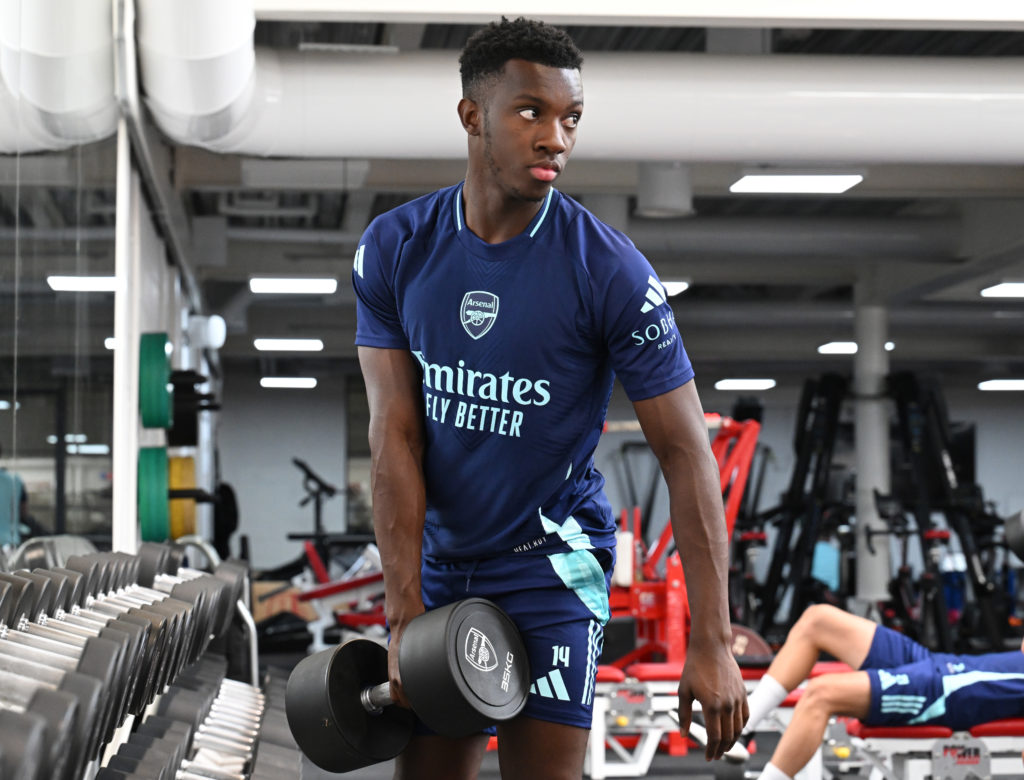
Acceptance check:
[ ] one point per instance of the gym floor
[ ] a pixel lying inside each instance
(691, 767)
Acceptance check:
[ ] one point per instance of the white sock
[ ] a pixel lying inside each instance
(772, 772)
(767, 695)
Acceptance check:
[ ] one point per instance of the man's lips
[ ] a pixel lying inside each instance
(543, 173)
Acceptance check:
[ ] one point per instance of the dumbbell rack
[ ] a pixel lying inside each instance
(106, 671)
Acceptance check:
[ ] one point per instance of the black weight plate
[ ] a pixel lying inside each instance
(63, 587)
(7, 601)
(60, 711)
(464, 667)
(90, 695)
(20, 599)
(325, 713)
(23, 749)
(152, 560)
(89, 569)
(46, 593)
(78, 583)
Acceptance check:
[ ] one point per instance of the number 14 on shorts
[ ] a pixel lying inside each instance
(560, 655)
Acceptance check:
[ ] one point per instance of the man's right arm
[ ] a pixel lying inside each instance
(396, 481)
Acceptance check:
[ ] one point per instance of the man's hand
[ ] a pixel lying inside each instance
(712, 677)
(397, 628)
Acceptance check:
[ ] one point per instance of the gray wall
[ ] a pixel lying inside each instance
(260, 431)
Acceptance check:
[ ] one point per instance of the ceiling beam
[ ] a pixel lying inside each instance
(876, 14)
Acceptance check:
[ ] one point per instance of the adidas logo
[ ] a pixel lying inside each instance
(655, 295)
(550, 686)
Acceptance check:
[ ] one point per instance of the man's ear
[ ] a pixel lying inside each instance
(471, 115)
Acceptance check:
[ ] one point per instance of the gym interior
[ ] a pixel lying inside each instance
(183, 187)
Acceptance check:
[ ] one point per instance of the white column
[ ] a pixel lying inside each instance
(870, 368)
(127, 328)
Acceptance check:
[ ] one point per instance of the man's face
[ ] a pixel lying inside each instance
(529, 127)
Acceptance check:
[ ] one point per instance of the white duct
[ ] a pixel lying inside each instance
(57, 85)
(205, 89)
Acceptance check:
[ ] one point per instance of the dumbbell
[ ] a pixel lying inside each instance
(49, 602)
(184, 608)
(463, 668)
(99, 657)
(23, 677)
(146, 630)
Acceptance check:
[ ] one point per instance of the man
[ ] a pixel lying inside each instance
(491, 316)
(13, 507)
(898, 683)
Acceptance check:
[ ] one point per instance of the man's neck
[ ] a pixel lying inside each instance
(493, 215)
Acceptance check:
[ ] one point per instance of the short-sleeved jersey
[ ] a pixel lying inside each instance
(517, 343)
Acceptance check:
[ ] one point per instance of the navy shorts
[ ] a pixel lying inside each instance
(558, 601)
(911, 686)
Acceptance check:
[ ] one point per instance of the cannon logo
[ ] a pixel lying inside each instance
(480, 652)
(478, 312)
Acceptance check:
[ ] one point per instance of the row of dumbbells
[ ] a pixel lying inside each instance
(207, 727)
(85, 645)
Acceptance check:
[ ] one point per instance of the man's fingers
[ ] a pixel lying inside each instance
(685, 715)
(712, 723)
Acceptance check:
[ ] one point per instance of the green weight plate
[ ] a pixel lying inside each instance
(156, 394)
(154, 508)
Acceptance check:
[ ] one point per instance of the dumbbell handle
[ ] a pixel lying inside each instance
(375, 698)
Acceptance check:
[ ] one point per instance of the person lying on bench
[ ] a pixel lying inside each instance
(898, 683)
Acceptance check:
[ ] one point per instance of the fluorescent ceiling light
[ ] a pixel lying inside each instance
(794, 183)
(73, 438)
(293, 286)
(848, 347)
(88, 449)
(82, 283)
(288, 345)
(838, 348)
(744, 384)
(674, 288)
(1002, 384)
(5, 405)
(289, 382)
(1004, 290)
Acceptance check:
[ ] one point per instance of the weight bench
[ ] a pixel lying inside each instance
(916, 752)
(633, 711)
(332, 600)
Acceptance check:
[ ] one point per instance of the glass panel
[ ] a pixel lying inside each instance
(56, 372)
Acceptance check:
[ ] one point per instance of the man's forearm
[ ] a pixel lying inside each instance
(399, 507)
(698, 525)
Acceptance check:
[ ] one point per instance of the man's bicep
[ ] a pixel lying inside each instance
(392, 384)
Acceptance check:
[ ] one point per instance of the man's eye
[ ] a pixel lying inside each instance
(528, 113)
(571, 121)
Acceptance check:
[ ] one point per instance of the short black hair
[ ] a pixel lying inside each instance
(489, 48)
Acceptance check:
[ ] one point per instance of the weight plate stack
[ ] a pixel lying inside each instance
(155, 390)
(154, 508)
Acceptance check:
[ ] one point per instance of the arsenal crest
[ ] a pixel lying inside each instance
(478, 312)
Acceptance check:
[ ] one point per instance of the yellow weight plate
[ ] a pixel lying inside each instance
(182, 475)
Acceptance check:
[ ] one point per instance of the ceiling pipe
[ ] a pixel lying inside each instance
(56, 79)
(209, 87)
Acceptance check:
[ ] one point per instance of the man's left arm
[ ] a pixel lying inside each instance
(674, 426)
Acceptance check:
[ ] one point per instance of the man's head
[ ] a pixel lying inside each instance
(522, 99)
(487, 50)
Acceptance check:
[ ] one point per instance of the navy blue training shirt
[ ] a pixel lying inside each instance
(517, 343)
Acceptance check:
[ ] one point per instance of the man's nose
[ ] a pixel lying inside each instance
(553, 138)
